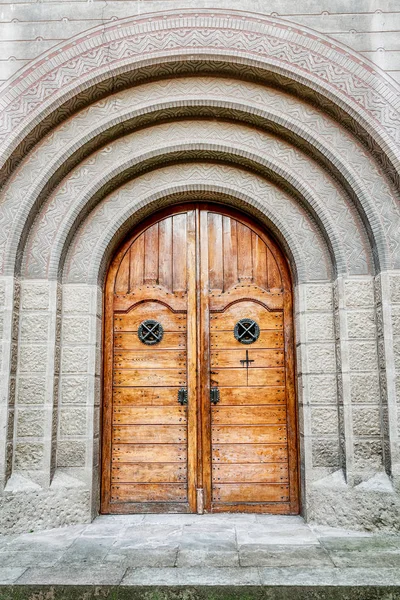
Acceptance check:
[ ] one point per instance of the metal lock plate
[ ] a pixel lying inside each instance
(246, 331)
(150, 332)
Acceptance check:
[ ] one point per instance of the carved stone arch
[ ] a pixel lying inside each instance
(361, 94)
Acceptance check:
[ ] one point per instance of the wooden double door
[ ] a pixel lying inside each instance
(199, 401)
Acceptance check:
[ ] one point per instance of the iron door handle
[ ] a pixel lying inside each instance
(214, 395)
(183, 396)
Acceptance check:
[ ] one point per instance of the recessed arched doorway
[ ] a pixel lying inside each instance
(199, 409)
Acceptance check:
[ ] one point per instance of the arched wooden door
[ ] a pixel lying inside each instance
(199, 401)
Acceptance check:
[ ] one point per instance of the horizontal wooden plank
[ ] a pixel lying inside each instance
(261, 358)
(149, 473)
(243, 377)
(251, 492)
(218, 300)
(148, 434)
(145, 396)
(250, 310)
(225, 339)
(248, 434)
(130, 341)
(254, 395)
(258, 473)
(154, 358)
(151, 492)
(129, 453)
(125, 302)
(131, 320)
(139, 378)
(249, 453)
(248, 415)
(266, 508)
(131, 415)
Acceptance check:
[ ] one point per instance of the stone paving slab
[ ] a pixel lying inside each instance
(168, 556)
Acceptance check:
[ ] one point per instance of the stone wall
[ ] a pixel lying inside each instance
(251, 110)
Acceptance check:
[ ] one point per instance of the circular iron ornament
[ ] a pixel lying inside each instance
(246, 331)
(150, 332)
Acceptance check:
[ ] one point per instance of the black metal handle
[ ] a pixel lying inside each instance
(214, 395)
(183, 396)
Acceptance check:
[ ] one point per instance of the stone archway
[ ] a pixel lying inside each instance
(277, 121)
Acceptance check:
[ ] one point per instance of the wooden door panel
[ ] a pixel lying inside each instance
(250, 310)
(149, 492)
(169, 320)
(145, 396)
(149, 434)
(248, 473)
(149, 473)
(130, 341)
(143, 415)
(261, 358)
(150, 359)
(253, 492)
(249, 453)
(149, 453)
(248, 415)
(240, 377)
(138, 378)
(248, 434)
(226, 339)
(230, 396)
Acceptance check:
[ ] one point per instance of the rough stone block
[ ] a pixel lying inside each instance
(76, 299)
(322, 389)
(2, 294)
(319, 327)
(29, 455)
(30, 422)
(71, 453)
(34, 327)
(361, 325)
(73, 421)
(363, 356)
(74, 390)
(366, 420)
(76, 330)
(34, 296)
(321, 358)
(319, 297)
(396, 351)
(325, 453)
(368, 453)
(75, 360)
(364, 388)
(324, 421)
(359, 293)
(32, 358)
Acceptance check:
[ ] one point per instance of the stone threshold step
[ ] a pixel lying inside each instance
(197, 592)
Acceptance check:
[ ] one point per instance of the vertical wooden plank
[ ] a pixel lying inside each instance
(230, 251)
(192, 359)
(204, 418)
(215, 252)
(274, 276)
(165, 253)
(123, 275)
(179, 259)
(245, 262)
(137, 263)
(151, 255)
(260, 268)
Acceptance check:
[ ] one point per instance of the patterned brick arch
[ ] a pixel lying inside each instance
(104, 58)
(90, 251)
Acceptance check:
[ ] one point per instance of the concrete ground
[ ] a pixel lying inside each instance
(151, 554)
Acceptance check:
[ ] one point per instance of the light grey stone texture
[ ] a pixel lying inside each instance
(364, 388)
(283, 556)
(34, 327)
(321, 358)
(35, 295)
(363, 356)
(33, 358)
(322, 389)
(10, 575)
(28, 455)
(74, 389)
(73, 421)
(324, 421)
(31, 389)
(319, 327)
(75, 359)
(361, 325)
(75, 329)
(71, 453)
(30, 422)
(359, 293)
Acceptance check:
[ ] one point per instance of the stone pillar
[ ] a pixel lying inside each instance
(37, 382)
(8, 303)
(78, 438)
(360, 411)
(316, 366)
